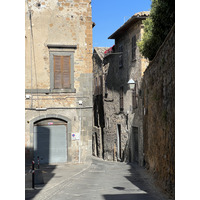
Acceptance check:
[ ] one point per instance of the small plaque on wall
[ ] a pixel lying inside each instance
(75, 136)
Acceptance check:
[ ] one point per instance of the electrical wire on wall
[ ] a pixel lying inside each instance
(29, 15)
(32, 56)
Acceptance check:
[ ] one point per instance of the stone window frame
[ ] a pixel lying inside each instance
(61, 53)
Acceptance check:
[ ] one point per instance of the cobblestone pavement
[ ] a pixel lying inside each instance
(99, 180)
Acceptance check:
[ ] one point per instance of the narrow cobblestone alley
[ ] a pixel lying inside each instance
(102, 181)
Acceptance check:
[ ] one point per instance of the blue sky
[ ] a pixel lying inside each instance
(109, 15)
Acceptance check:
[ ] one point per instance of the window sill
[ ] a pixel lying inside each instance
(70, 90)
(50, 91)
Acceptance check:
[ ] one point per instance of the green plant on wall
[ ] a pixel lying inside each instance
(156, 27)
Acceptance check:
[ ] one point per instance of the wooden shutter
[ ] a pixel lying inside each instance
(66, 72)
(62, 71)
(57, 72)
(121, 100)
(134, 99)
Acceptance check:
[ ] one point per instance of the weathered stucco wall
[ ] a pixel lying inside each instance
(159, 114)
(57, 22)
(63, 23)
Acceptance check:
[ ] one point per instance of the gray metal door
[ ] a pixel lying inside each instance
(50, 143)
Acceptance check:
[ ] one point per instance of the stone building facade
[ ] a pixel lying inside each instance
(159, 114)
(122, 131)
(98, 104)
(58, 75)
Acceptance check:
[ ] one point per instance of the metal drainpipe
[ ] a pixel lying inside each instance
(80, 135)
(31, 55)
(80, 102)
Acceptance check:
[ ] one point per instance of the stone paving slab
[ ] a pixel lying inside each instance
(99, 180)
(53, 176)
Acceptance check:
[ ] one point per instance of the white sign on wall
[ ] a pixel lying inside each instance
(75, 136)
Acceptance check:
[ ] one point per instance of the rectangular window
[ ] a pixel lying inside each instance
(134, 47)
(100, 85)
(106, 90)
(121, 99)
(62, 71)
(120, 50)
(95, 86)
(135, 152)
(62, 68)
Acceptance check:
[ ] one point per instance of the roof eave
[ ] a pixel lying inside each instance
(126, 26)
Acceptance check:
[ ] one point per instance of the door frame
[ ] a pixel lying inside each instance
(44, 123)
(50, 116)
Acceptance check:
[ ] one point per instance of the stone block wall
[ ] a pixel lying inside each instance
(159, 115)
(66, 24)
(115, 78)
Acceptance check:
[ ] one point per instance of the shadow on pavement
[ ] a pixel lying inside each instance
(127, 197)
(145, 182)
(138, 179)
(145, 187)
(47, 175)
(41, 151)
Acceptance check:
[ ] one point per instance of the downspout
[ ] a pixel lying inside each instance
(29, 13)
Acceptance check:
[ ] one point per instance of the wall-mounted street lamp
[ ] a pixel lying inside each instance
(131, 84)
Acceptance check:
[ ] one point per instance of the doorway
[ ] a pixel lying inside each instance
(50, 141)
(118, 142)
(95, 145)
(135, 143)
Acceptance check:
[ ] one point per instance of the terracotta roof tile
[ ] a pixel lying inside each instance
(100, 51)
(129, 22)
